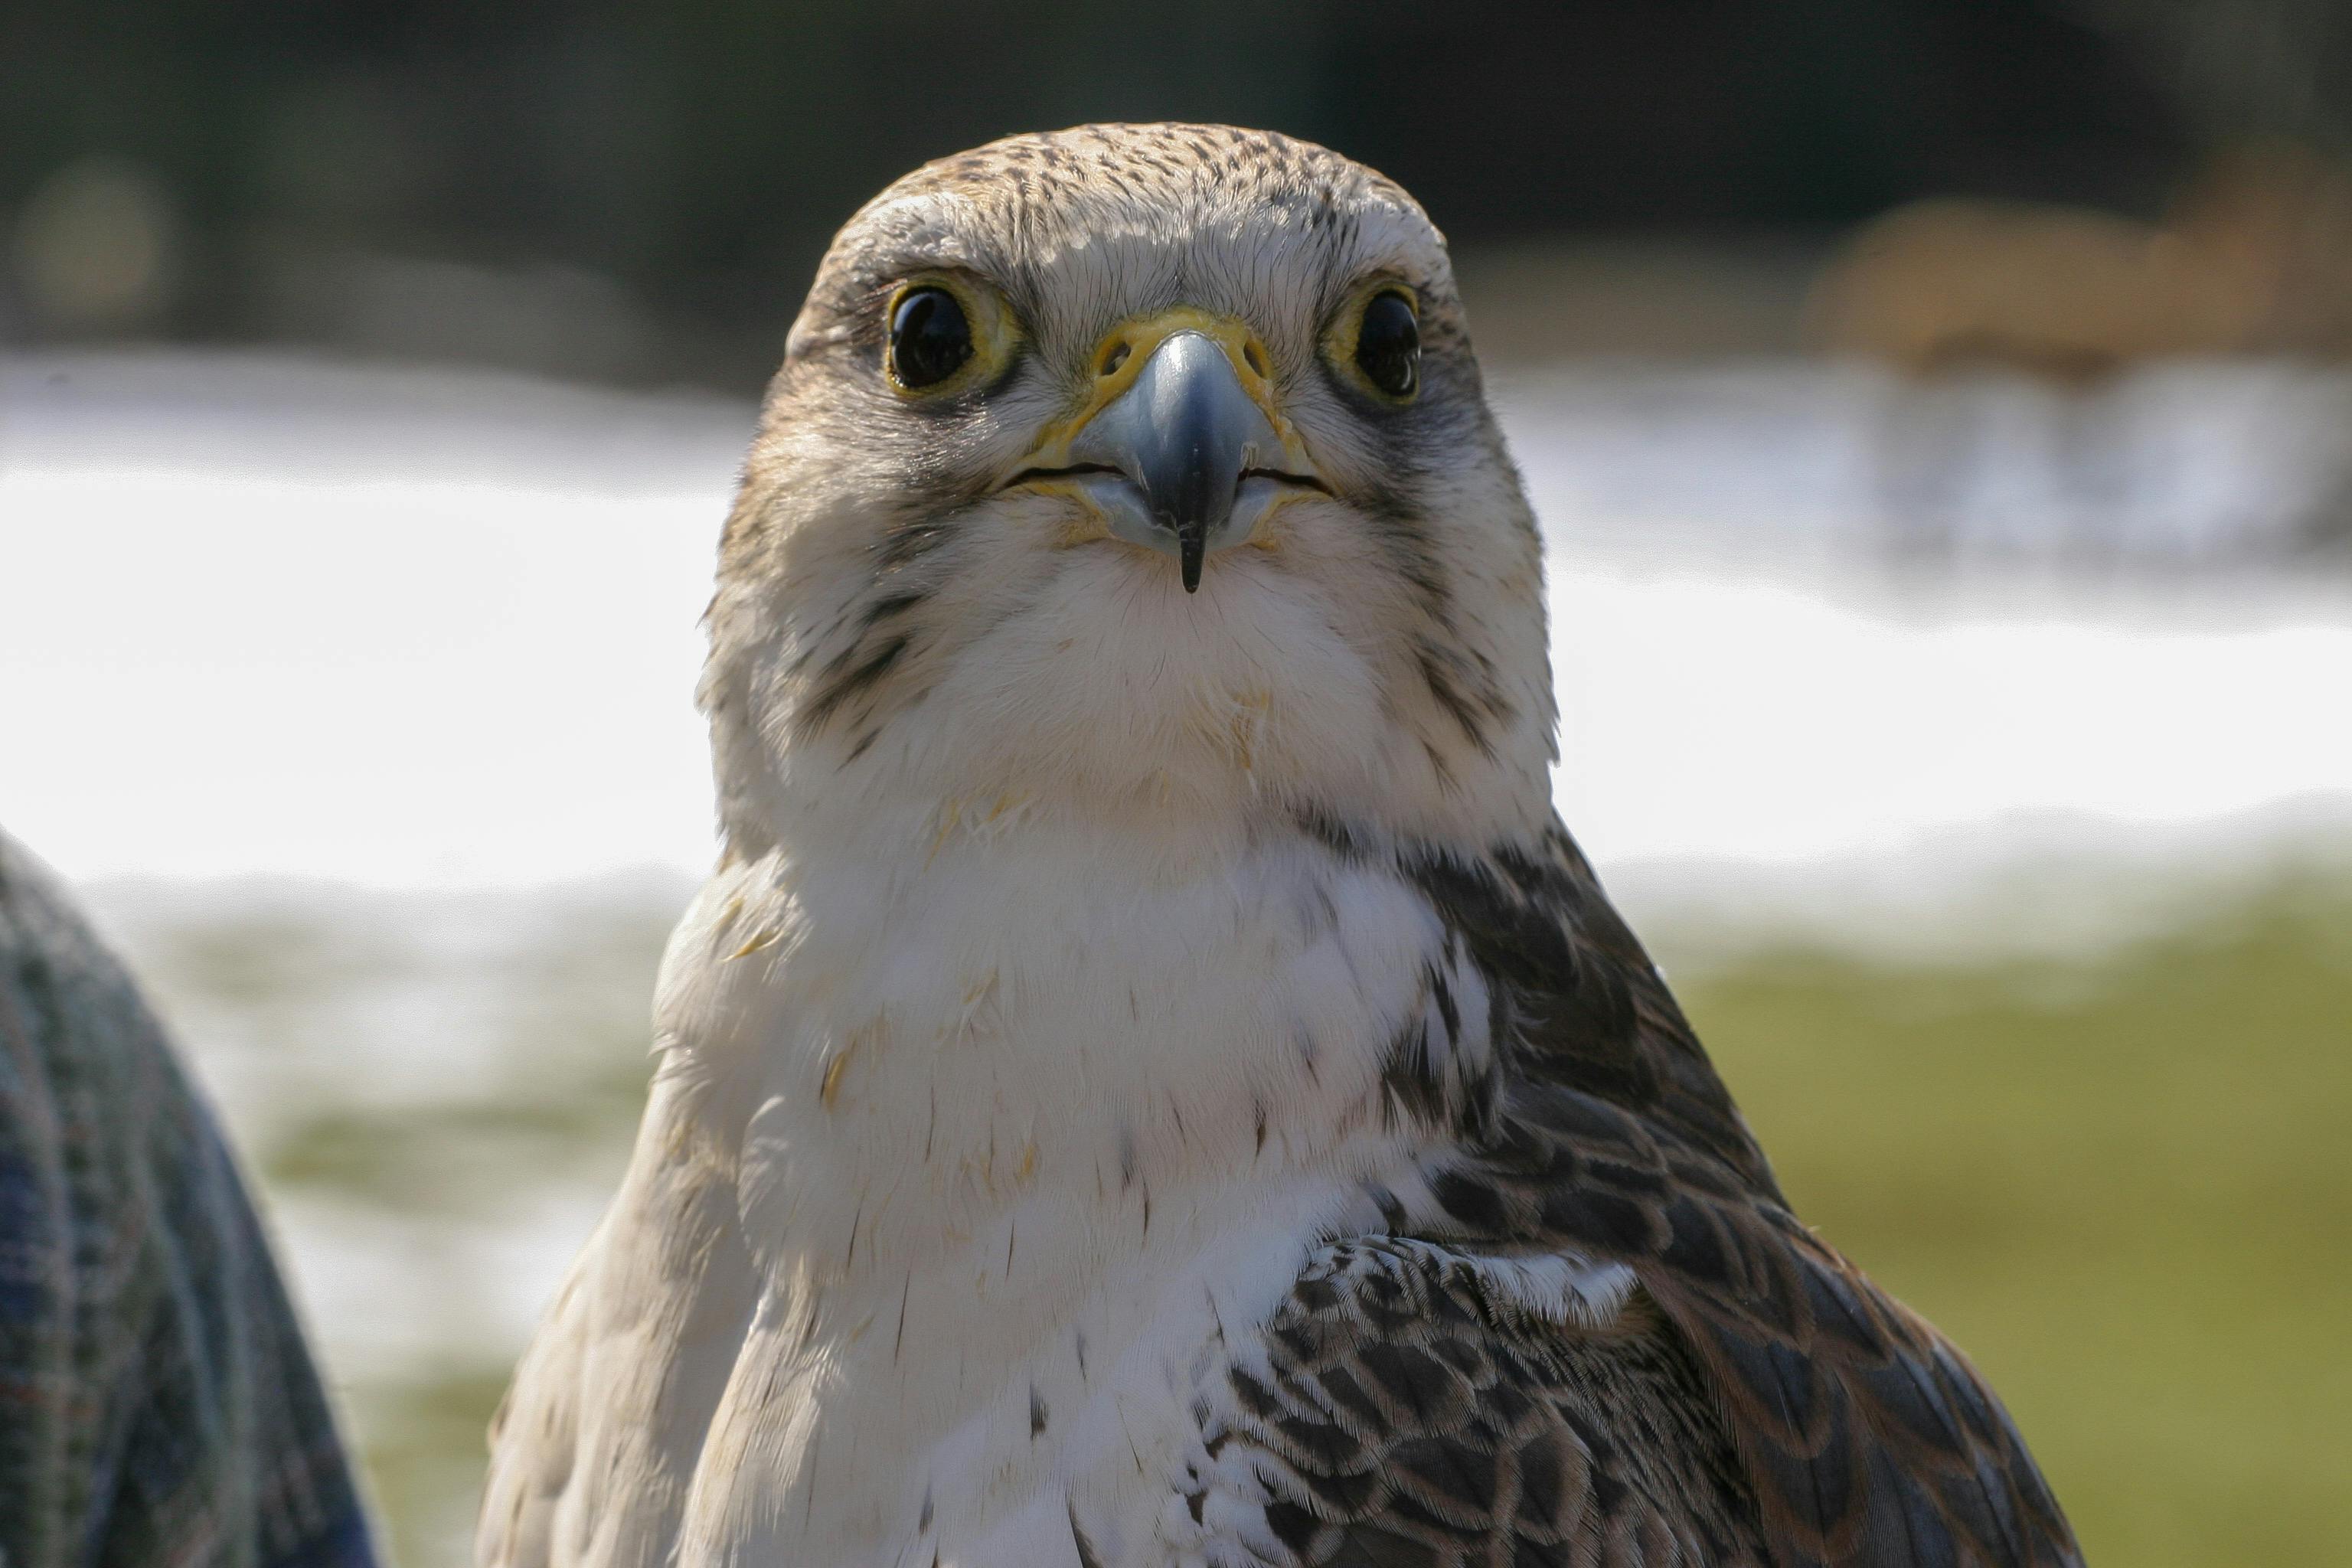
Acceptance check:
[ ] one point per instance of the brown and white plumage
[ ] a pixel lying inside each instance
(1152, 1083)
(1802, 1415)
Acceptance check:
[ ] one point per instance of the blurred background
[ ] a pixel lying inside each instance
(1941, 416)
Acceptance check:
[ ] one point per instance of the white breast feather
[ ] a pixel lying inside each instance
(971, 1136)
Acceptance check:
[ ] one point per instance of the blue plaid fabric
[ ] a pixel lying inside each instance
(158, 1406)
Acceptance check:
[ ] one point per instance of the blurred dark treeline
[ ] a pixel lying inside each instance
(640, 192)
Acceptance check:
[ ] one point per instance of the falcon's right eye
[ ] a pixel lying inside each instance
(930, 337)
(950, 334)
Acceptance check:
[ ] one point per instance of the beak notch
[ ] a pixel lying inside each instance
(1183, 432)
(1166, 446)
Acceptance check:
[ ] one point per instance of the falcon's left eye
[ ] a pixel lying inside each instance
(1388, 345)
(1376, 342)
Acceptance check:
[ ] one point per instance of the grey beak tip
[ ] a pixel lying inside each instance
(1184, 433)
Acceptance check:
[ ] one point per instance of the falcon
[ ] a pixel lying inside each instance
(1152, 1081)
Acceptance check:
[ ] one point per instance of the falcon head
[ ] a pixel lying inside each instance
(1139, 472)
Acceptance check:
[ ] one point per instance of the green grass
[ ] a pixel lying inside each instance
(2124, 1186)
(422, 1444)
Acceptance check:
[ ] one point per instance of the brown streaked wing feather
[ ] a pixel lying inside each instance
(1410, 1422)
(1870, 1439)
(1867, 1439)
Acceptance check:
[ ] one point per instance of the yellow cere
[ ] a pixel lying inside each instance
(1124, 350)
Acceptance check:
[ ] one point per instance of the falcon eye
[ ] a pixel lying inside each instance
(1388, 345)
(1374, 343)
(930, 337)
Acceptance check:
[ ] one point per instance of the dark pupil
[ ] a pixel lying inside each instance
(930, 339)
(1388, 345)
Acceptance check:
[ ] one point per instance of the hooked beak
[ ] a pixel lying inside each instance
(1181, 449)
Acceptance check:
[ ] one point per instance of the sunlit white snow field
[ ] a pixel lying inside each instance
(267, 618)
(359, 701)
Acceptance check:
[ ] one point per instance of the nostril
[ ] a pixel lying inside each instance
(1256, 356)
(1115, 357)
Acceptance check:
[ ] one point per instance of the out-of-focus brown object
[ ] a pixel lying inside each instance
(2255, 257)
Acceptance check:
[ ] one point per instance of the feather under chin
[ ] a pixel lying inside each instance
(1007, 664)
(1111, 685)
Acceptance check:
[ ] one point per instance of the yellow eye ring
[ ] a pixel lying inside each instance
(1375, 342)
(944, 334)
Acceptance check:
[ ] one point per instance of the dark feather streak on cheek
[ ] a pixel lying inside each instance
(904, 543)
(889, 606)
(852, 673)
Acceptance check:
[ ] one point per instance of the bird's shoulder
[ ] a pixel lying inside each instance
(1409, 1406)
(1756, 1394)
(594, 1447)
